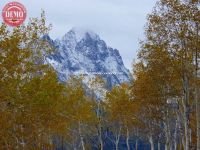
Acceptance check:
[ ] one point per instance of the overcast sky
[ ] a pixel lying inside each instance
(119, 22)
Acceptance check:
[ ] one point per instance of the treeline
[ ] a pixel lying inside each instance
(160, 106)
(167, 74)
(36, 110)
(39, 112)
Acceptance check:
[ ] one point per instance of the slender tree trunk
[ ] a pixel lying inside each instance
(185, 103)
(159, 138)
(101, 144)
(127, 139)
(168, 144)
(151, 142)
(100, 136)
(186, 93)
(136, 144)
(81, 136)
(117, 139)
(175, 134)
(100, 126)
(82, 143)
(197, 101)
(186, 128)
(117, 145)
(167, 135)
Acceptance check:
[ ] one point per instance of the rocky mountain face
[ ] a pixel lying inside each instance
(82, 52)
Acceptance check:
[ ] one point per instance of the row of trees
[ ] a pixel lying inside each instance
(167, 73)
(39, 112)
(161, 105)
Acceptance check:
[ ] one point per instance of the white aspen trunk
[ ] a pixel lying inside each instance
(100, 127)
(81, 136)
(151, 142)
(100, 136)
(101, 143)
(158, 145)
(117, 139)
(186, 93)
(197, 101)
(185, 104)
(175, 135)
(116, 145)
(167, 138)
(127, 139)
(186, 128)
(82, 143)
(167, 133)
(136, 144)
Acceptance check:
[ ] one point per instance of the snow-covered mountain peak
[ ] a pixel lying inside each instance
(78, 34)
(82, 52)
